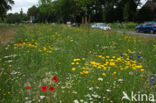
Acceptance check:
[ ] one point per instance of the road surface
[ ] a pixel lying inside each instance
(135, 33)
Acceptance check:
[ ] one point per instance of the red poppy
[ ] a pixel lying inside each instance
(19, 42)
(44, 88)
(54, 79)
(51, 89)
(28, 87)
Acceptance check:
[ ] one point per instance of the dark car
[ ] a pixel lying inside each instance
(147, 27)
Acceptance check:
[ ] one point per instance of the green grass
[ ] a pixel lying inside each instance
(130, 26)
(39, 52)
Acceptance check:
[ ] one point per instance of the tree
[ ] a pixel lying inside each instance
(45, 9)
(5, 5)
(145, 14)
(13, 18)
(21, 15)
(127, 9)
(33, 12)
(66, 10)
(85, 6)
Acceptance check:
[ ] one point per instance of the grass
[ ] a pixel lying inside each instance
(91, 66)
(130, 26)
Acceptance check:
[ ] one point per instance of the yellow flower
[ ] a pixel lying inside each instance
(139, 66)
(35, 43)
(119, 59)
(83, 58)
(49, 51)
(77, 63)
(112, 63)
(44, 48)
(142, 70)
(113, 57)
(73, 69)
(114, 73)
(83, 68)
(121, 69)
(85, 72)
(72, 63)
(104, 74)
(71, 40)
(81, 72)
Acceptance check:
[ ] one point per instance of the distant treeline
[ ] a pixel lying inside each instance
(85, 11)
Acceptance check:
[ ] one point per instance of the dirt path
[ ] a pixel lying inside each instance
(6, 34)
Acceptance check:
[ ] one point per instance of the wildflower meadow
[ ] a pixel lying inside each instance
(60, 64)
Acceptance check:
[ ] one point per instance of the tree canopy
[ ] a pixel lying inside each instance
(5, 5)
(92, 10)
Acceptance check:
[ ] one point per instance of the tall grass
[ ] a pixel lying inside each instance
(92, 66)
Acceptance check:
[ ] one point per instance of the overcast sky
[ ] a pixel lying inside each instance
(25, 4)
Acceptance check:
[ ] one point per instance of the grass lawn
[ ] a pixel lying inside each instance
(59, 64)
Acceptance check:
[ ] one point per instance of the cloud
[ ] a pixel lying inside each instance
(24, 4)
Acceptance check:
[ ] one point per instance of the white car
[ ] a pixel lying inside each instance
(101, 26)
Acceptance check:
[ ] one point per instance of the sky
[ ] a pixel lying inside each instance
(25, 4)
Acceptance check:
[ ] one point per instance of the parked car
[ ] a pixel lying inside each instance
(147, 27)
(75, 25)
(101, 26)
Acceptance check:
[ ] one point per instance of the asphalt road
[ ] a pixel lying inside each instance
(135, 33)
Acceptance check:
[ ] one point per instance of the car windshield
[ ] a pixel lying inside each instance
(102, 24)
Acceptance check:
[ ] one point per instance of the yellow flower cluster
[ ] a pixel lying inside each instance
(33, 46)
(107, 64)
(128, 38)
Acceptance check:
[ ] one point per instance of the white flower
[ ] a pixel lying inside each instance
(14, 72)
(90, 98)
(91, 88)
(120, 80)
(76, 101)
(6, 57)
(97, 87)
(74, 92)
(99, 96)
(28, 101)
(14, 55)
(88, 95)
(95, 95)
(9, 61)
(130, 73)
(6, 48)
(26, 98)
(108, 90)
(81, 100)
(100, 79)
(42, 97)
(104, 47)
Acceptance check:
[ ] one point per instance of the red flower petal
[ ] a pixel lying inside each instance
(54, 79)
(19, 42)
(28, 87)
(44, 88)
(51, 89)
